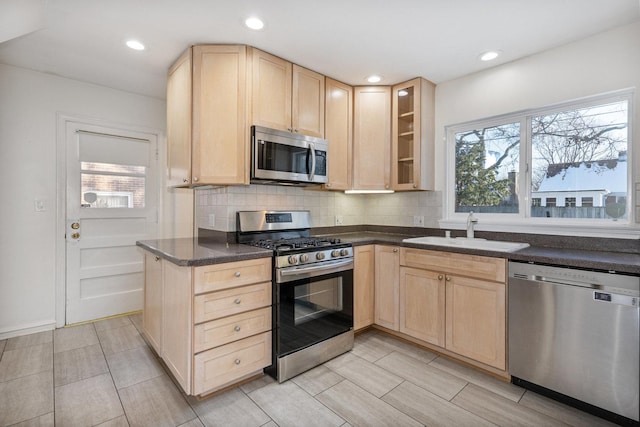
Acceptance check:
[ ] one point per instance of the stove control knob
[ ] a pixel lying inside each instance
(320, 256)
(344, 252)
(304, 258)
(293, 259)
(335, 253)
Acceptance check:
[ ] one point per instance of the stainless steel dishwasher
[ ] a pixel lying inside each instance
(573, 335)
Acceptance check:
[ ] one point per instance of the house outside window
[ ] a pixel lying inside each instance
(540, 163)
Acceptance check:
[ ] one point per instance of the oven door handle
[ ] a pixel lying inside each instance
(289, 274)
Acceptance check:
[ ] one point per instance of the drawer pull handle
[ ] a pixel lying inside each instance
(237, 329)
(237, 361)
(237, 301)
(237, 274)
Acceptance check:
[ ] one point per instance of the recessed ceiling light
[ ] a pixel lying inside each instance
(374, 79)
(135, 44)
(254, 23)
(490, 55)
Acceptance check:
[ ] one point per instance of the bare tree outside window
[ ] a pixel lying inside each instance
(576, 154)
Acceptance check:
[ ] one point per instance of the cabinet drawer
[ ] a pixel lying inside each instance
(216, 305)
(223, 331)
(478, 267)
(231, 274)
(223, 365)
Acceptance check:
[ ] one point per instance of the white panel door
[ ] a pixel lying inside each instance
(111, 201)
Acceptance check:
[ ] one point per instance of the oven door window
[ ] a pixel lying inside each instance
(313, 310)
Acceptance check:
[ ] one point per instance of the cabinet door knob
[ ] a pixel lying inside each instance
(237, 274)
(395, 250)
(448, 279)
(237, 361)
(195, 179)
(439, 276)
(185, 180)
(237, 329)
(237, 301)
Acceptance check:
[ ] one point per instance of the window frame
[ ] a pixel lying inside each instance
(522, 221)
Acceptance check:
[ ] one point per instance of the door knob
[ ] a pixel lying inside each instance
(75, 235)
(75, 225)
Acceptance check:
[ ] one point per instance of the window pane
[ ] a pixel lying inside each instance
(111, 167)
(486, 174)
(112, 191)
(581, 154)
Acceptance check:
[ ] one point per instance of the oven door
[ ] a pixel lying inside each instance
(284, 156)
(312, 309)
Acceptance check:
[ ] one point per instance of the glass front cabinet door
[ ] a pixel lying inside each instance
(413, 135)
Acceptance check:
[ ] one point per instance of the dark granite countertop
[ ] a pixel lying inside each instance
(191, 252)
(591, 259)
(194, 252)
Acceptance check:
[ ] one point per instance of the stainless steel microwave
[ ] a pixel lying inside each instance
(287, 157)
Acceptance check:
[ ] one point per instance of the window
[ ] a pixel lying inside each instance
(487, 162)
(538, 164)
(107, 185)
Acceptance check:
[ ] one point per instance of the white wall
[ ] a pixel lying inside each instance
(602, 63)
(29, 102)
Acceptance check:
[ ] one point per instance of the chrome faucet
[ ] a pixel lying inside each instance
(471, 222)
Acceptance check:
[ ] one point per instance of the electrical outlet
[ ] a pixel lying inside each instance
(418, 220)
(212, 220)
(339, 220)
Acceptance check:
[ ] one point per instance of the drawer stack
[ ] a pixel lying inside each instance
(232, 322)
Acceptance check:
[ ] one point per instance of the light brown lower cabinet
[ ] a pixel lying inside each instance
(214, 321)
(476, 320)
(364, 258)
(387, 294)
(448, 301)
(422, 305)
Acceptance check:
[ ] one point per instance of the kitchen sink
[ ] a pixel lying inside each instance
(463, 242)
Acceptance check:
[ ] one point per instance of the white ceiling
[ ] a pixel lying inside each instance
(344, 39)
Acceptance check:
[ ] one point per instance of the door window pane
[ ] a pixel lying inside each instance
(106, 185)
(486, 169)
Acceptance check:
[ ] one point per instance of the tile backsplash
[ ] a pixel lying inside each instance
(216, 207)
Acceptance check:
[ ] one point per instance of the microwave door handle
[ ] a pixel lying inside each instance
(312, 147)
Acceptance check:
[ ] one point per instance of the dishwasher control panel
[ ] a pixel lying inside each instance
(616, 298)
(607, 284)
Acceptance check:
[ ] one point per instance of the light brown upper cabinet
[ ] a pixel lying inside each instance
(372, 138)
(413, 135)
(207, 127)
(286, 96)
(339, 132)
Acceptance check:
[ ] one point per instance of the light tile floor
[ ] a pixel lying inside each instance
(103, 374)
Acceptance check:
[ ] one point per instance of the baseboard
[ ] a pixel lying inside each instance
(29, 328)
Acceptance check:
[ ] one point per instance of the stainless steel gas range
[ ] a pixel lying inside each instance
(312, 289)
